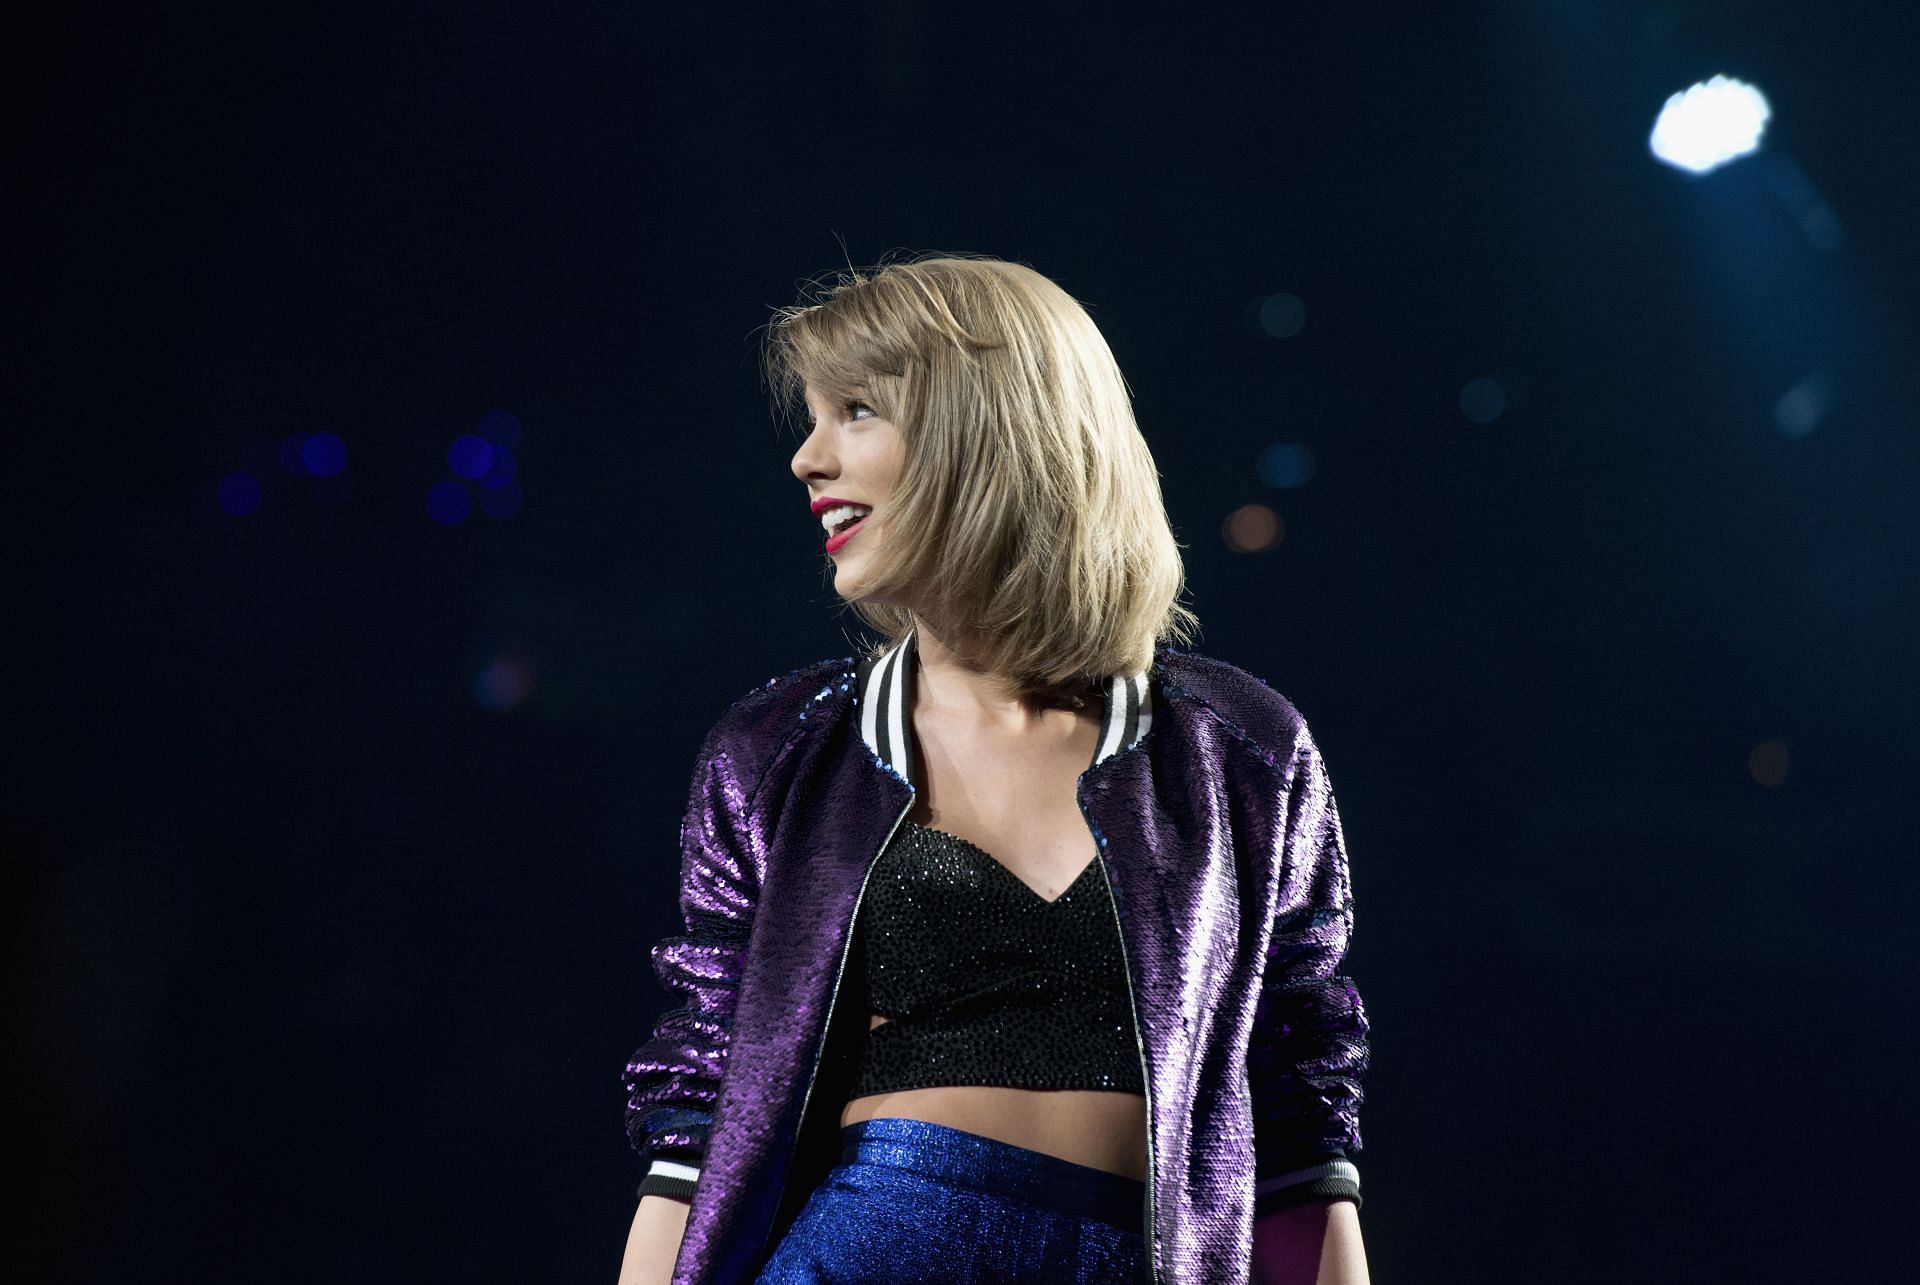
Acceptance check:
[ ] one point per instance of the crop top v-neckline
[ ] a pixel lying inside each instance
(1086, 872)
(1099, 742)
(983, 981)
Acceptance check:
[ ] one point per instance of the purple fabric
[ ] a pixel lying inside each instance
(1223, 844)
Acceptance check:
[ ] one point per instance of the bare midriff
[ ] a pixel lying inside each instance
(1100, 1128)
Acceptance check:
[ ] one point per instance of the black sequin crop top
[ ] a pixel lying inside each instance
(983, 981)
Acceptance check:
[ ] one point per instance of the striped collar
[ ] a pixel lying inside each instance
(886, 686)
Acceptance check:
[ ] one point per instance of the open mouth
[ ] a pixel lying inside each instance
(843, 533)
(842, 522)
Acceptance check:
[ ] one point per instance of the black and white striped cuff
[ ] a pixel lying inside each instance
(670, 1178)
(1329, 1180)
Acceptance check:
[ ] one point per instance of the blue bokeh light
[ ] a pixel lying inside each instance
(1482, 400)
(323, 454)
(1285, 464)
(500, 427)
(1800, 409)
(470, 456)
(241, 493)
(449, 503)
(503, 684)
(500, 472)
(1282, 315)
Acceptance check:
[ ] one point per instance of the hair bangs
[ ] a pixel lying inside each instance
(841, 345)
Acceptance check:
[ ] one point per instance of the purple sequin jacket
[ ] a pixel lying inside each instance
(1215, 825)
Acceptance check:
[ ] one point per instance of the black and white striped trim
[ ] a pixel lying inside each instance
(1345, 1170)
(1332, 1179)
(886, 686)
(669, 1178)
(1128, 715)
(884, 691)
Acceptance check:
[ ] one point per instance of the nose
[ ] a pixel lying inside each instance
(814, 458)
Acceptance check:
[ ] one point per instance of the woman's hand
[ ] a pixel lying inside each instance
(654, 1241)
(1317, 1243)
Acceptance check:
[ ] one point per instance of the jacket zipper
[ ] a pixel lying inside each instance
(833, 998)
(1139, 1039)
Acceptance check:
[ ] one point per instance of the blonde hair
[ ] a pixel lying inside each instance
(1027, 515)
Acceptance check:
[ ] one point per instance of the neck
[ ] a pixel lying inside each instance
(952, 683)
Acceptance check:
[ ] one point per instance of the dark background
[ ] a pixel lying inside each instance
(328, 954)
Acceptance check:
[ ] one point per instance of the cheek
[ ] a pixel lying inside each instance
(888, 460)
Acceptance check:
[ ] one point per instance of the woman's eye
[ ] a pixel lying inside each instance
(853, 409)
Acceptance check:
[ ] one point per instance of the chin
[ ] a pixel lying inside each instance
(847, 584)
(853, 589)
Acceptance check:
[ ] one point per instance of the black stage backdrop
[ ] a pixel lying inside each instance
(393, 503)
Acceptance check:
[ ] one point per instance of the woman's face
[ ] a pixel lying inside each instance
(850, 455)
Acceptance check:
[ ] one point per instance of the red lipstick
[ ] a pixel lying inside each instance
(838, 539)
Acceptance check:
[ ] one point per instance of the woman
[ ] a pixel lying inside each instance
(1011, 947)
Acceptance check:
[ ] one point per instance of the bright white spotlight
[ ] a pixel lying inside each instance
(1715, 122)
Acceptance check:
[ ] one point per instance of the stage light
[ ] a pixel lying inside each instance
(323, 454)
(1767, 763)
(1482, 400)
(500, 470)
(1800, 409)
(503, 685)
(1285, 464)
(1252, 528)
(1282, 315)
(1702, 128)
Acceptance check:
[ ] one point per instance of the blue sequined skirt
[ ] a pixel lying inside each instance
(912, 1201)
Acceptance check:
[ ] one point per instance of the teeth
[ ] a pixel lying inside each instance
(835, 516)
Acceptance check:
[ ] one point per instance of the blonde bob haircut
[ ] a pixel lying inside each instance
(1027, 522)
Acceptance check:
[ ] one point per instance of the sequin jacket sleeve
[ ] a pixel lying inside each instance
(1309, 1047)
(673, 1081)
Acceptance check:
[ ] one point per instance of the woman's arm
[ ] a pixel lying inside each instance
(654, 1242)
(1317, 1243)
(1308, 1052)
(674, 1081)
